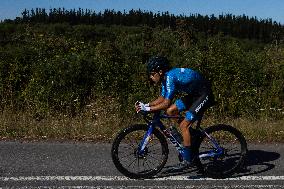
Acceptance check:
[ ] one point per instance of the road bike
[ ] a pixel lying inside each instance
(141, 150)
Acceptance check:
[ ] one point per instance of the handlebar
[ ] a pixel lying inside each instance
(145, 115)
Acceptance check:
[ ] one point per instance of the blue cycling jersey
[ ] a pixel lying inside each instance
(181, 80)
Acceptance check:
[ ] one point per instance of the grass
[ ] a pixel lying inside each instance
(97, 123)
(263, 130)
(100, 122)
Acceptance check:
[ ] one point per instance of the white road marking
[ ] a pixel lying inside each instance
(159, 187)
(122, 178)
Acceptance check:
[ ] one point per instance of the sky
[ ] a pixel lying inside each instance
(262, 9)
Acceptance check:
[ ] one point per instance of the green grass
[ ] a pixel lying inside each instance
(22, 126)
(97, 122)
(263, 130)
(100, 122)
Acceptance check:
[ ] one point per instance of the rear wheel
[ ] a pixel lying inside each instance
(132, 164)
(229, 158)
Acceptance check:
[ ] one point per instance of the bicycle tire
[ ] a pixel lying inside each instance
(119, 143)
(210, 167)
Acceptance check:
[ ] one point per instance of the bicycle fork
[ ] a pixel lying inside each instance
(145, 141)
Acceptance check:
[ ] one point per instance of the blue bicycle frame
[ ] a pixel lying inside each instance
(156, 122)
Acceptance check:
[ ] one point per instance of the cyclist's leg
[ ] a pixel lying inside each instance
(202, 103)
(172, 110)
(183, 104)
(197, 109)
(180, 105)
(194, 112)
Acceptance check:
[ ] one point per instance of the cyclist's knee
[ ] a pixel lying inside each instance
(185, 124)
(172, 110)
(190, 116)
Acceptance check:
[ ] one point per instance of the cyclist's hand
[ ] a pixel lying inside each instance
(141, 106)
(137, 105)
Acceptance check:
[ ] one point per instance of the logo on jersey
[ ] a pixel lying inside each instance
(168, 85)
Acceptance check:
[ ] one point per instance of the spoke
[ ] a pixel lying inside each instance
(145, 160)
(130, 143)
(206, 148)
(126, 148)
(149, 161)
(126, 155)
(218, 164)
(237, 155)
(154, 144)
(138, 165)
(132, 162)
(145, 167)
(155, 151)
(233, 149)
(153, 157)
(230, 146)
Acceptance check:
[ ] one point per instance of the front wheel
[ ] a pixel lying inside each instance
(136, 165)
(225, 161)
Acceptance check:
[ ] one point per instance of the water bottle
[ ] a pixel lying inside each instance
(176, 134)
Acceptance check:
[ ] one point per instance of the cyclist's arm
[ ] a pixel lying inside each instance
(167, 93)
(159, 100)
(162, 105)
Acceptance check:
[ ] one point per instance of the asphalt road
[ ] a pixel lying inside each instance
(89, 165)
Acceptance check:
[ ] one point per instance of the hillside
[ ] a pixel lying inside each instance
(70, 64)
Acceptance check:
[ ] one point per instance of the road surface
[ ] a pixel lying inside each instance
(89, 165)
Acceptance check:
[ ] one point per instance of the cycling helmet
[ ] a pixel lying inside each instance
(157, 63)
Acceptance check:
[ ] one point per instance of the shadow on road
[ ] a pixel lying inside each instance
(168, 171)
(257, 161)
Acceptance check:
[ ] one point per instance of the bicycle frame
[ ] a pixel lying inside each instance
(156, 122)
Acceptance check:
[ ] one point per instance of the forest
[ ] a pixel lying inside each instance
(75, 62)
(242, 26)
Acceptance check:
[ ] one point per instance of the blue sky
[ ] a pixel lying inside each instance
(262, 9)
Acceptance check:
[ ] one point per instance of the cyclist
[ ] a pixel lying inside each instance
(197, 97)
